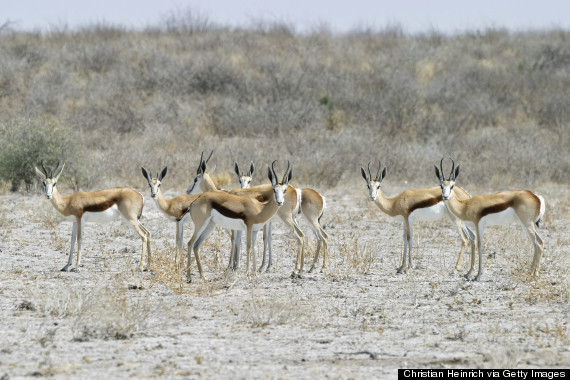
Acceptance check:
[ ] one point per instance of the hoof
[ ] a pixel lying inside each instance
(64, 269)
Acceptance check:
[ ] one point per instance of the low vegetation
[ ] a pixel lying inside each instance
(109, 100)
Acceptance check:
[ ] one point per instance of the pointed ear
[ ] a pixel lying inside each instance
(236, 168)
(40, 174)
(60, 171)
(270, 176)
(363, 172)
(437, 174)
(456, 174)
(383, 173)
(163, 173)
(145, 174)
(251, 168)
(202, 168)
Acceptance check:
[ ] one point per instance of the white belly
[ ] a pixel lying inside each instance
(428, 214)
(507, 216)
(228, 223)
(109, 215)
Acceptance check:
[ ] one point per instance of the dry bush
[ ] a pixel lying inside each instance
(106, 311)
(350, 257)
(494, 100)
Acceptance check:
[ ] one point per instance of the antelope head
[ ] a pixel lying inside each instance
(154, 183)
(279, 189)
(49, 179)
(373, 184)
(194, 187)
(446, 184)
(244, 179)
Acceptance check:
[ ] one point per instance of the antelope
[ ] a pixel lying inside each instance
(312, 207)
(203, 183)
(416, 205)
(175, 209)
(502, 208)
(234, 212)
(97, 206)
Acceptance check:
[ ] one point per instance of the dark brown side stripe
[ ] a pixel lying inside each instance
(99, 207)
(496, 208)
(227, 212)
(425, 203)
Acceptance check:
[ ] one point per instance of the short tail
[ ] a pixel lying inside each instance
(541, 211)
(139, 216)
(323, 210)
(299, 200)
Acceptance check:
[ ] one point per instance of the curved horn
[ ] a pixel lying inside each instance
(273, 170)
(44, 168)
(378, 172)
(369, 173)
(442, 174)
(210, 156)
(286, 172)
(54, 169)
(452, 168)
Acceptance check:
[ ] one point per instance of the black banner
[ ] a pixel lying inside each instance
(524, 374)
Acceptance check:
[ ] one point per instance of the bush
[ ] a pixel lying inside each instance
(25, 143)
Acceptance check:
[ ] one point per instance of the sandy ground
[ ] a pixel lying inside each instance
(358, 319)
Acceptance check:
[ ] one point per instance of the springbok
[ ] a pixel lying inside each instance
(97, 206)
(175, 209)
(203, 183)
(237, 213)
(502, 208)
(416, 205)
(312, 207)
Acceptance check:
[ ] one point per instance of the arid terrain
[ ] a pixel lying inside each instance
(358, 319)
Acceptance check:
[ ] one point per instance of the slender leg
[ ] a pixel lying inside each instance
(198, 230)
(78, 261)
(249, 252)
(253, 239)
(299, 236)
(405, 254)
(269, 245)
(319, 244)
(325, 238)
(480, 244)
(73, 239)
(265, 242)
(538, 245)
(197, 245)
(145, 236)
(238, 250)
(464, 243)
(232, 253)
(179, 239)
(410, 246)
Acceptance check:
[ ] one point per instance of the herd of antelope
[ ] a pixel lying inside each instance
(252, 209)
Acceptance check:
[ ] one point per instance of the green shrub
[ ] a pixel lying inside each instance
(25, 143)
